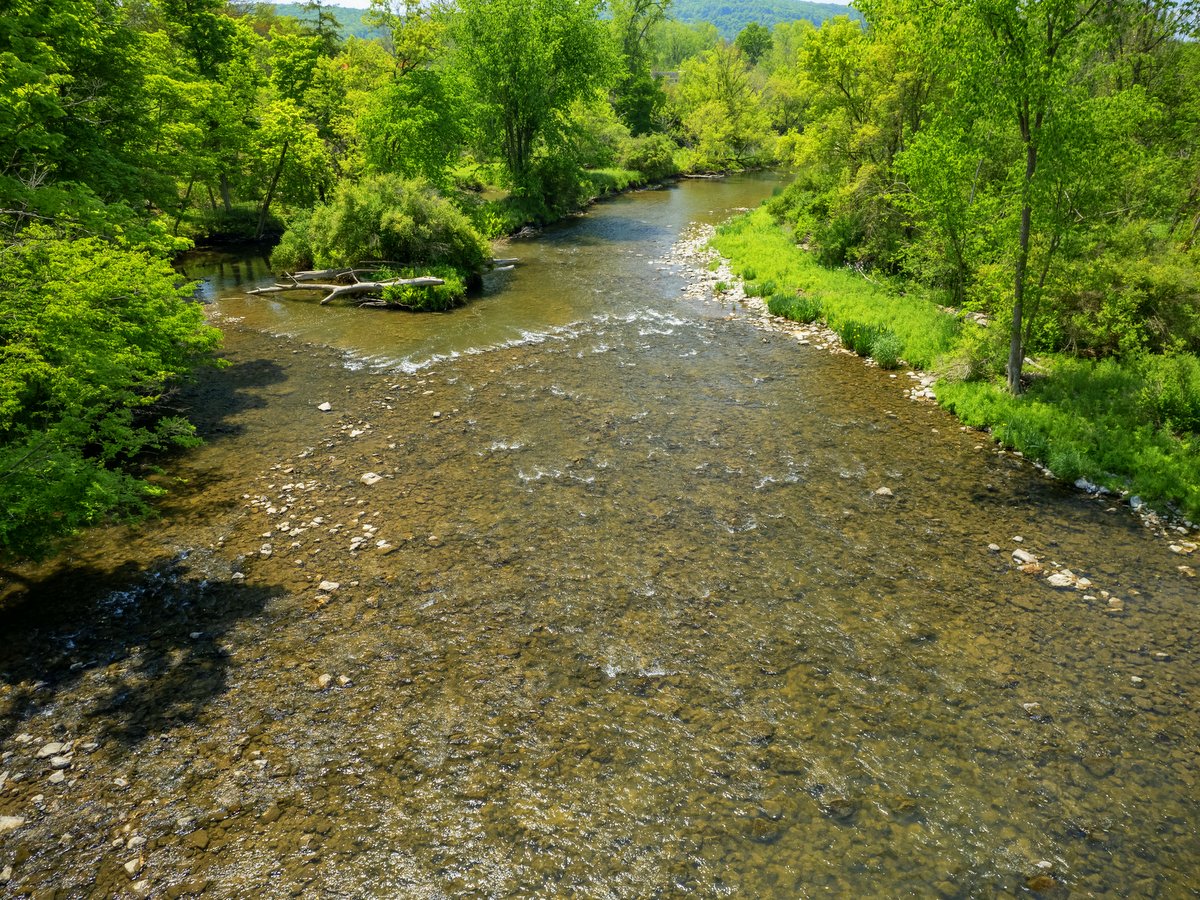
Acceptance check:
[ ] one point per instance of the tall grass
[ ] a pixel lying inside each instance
(761, 252)
(1129, 424)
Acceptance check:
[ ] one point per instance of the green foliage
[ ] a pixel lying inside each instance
(653, 156)
(91, 339)
(528, 61)
(415, 126)
(754, 41)
(886, 350)
(723, 122)
(760, 250)
(435, 298)
(731, 18)
(797, 307)
(383, 217)
(1079, 419)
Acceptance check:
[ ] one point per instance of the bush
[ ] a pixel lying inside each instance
(435, 298)
(798, 308)
(383, 217)
(91, 340)
(858, 336)
(652, 155)
(886, 350)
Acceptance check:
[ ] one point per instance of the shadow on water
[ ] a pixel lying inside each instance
(217, 397)
(151, 637)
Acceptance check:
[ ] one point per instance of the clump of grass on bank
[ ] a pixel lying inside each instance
(1125, 424)
(860, 311)
(1129, 424)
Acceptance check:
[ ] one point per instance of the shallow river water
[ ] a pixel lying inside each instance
(623, 616)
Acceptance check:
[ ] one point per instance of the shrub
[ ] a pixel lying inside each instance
(435, 298)
(858, 336)
(652, 155)
(798, 308)
(383, 217)
(886, 350)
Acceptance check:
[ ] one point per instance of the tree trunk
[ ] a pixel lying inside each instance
(225, 194)
(266, 204)
(1016, 348)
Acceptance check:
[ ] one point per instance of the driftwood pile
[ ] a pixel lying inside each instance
(349, 282)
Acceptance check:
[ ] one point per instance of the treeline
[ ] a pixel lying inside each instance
(1034, 170)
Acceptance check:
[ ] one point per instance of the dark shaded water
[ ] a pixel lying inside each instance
(624, 616)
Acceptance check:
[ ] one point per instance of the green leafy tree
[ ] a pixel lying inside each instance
(637, 94)
(528, 60)
(722, 116)
(754, 41)
(91, 340)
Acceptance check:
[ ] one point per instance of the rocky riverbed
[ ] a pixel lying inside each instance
(649, 602)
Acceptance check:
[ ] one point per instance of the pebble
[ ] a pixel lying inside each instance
(1018, 539)
(137, 842)
(994, 548)
(5, 874)
(1031, 707)
(60, 762)
(52, 749)
(57, 777)
(884, 492)
(10, 823)
(325, 407)
(198, 839)
(328, 586)
(1023, 557)
(370, 478)
(1137, 679)
(1063, 579)
(134, 866)
(1116, 603)
(325, 680)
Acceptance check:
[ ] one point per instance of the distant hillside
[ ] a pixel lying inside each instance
(350, 19)
(731, 16)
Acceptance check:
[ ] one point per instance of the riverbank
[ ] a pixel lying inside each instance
(1103, 425)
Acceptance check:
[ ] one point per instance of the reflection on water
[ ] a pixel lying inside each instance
(624, 616)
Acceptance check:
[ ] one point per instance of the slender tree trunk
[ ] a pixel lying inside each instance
(225, 194)
(266, 204)
(1016, 348)
(183, 204)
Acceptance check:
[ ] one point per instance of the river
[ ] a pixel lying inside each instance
(622, 613)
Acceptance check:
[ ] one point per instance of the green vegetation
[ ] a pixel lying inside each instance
(731, 18)
(383, 217)
(92, 336)
(852, 306)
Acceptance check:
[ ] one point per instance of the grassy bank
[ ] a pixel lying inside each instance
(1129, 425)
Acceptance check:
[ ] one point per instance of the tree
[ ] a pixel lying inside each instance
(528, 60)
(93, 335)
(754, 41)
(638, 93)
(722, 115)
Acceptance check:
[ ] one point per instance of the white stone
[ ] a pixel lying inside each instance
(370, 478)
(884, 492)
(1031, 707)
(133, 867)
(325, 407)
(51, 749)
(1137, 680)
(60, 762)
(325, 680)
(1063, 579)
(328, 586)
(57, 777)
(1023, 557)
(10, 823)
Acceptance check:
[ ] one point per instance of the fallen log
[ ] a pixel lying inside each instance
(333, 291)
